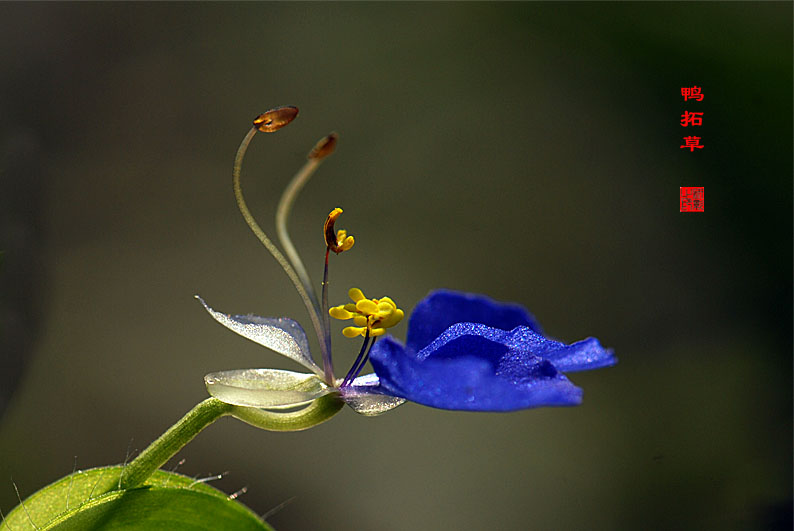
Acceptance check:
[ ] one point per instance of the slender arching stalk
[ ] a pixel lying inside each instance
(282, 213)
(324, 147)
(260, 234)
(324, 312)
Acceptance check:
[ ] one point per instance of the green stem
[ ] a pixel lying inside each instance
(207, 412)
(170, 442)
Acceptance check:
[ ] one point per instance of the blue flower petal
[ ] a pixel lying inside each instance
(582, 355)
(471, 372)
(443, 308)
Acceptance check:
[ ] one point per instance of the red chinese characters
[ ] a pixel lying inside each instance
(691, 118)
(692, 143)
(692, 93)
(691, 197)
(694, 119)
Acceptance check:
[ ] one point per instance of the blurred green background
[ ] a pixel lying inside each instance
(526, 151)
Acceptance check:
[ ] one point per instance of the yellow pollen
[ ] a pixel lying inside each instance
(337, 242)
(355, 294)
(371, 316)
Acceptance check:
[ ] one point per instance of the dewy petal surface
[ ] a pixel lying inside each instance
(281, 335)
(365, 396)
(465, 375)
(582, 355)
(265, 388)
(443, 308)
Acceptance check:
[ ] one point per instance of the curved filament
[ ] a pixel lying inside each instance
(273, 250)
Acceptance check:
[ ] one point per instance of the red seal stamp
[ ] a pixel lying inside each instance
(691, 198)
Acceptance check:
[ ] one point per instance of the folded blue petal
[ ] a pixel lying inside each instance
(495, 359)
(469, 382)
(443, 308)
(582, 355)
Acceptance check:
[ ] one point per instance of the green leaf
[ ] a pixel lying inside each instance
(91, 499)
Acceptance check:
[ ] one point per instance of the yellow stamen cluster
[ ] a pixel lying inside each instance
(341, 241)
(375, 315)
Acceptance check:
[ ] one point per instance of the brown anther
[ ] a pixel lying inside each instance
(330, 234)
(274, 119)
(324, 147)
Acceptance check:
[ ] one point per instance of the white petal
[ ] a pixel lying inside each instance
(365, 402)
(281, 335)
(366, 380)
(265, 388)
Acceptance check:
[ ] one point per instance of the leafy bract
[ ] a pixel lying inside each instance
(265, 388)
(280, 335)
(364, 398)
